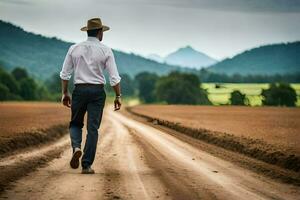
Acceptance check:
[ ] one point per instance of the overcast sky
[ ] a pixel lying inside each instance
(219, 28)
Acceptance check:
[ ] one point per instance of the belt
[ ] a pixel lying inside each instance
(89, 85)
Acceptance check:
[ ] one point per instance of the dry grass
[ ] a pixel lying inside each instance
(266, 133)
(27, 124)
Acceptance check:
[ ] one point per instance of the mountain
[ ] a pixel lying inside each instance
(189, 57)
(43, 56)
(156, 58)
(265, 60)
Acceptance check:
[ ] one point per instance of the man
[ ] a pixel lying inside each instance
(88, 60)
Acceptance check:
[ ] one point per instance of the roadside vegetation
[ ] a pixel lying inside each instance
(181, 88)
(221, 93)
(146, 87)
(279, 95)
(237, 98)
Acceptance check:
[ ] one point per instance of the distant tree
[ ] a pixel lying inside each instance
(127, 85)
(4, 92)
(9, 81)
(53, 85)
(181, 88)
(237, 78)
(281, 94)
(28, 89)
(19, 73)
(204, 100)
(208, 76)
(237, 98)
(217, 86)
(146, 85)
(42, 93)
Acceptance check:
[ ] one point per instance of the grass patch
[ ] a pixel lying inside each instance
(220, 96)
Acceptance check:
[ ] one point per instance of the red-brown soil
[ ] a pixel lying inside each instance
(27, 124)
(138, 161)
(267, 133)
(16, 117)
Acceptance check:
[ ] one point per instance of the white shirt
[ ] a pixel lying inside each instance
(88, 60)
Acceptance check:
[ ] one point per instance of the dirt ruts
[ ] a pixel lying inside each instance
(9, 145)
(254, 148)
(19, 164)
(137, 161)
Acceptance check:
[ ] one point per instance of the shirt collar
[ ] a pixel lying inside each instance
(93, 39)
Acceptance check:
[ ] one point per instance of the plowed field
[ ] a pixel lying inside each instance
(269, 134)
(274, 125)
(26, 124)
(16, 118)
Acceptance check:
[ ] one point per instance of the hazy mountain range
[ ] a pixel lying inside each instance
(185, 57)
(43, 56)
(265, 60)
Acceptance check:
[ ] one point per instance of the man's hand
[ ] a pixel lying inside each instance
(117, 103)
(66, 99)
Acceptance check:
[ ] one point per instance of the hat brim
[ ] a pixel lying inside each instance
(104, 28)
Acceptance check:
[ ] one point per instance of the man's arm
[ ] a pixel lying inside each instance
(65, 76)
(114, 78)
(66, 98)
(117, 101)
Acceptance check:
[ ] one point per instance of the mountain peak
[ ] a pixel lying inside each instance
(186, 48)
(189, 57)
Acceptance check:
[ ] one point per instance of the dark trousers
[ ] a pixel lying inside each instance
(90, 99)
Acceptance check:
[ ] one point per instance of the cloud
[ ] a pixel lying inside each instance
(250, 5)
(17, 2)
(275, 6)
(220, 28)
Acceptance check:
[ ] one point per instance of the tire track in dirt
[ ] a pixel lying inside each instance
(121, 173)
(136, 161)
(18, 165)
(257, 166)
(223, 179)
(135, 180)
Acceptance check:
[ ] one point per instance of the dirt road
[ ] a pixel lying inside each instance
(136, 161)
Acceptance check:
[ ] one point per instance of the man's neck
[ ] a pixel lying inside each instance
(91, 38)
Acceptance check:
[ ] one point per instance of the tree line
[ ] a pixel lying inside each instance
(18, 85)
(174, 88)
(184, 88)
(211, 77)
(278, 94)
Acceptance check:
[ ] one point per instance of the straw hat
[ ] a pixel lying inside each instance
(94, 23)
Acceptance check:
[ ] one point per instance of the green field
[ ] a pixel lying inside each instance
(220, 96)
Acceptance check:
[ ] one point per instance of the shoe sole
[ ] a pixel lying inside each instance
(74, 163)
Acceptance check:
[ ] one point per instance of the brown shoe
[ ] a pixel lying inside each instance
(74, 163)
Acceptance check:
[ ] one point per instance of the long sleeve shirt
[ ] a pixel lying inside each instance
(88, 60)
